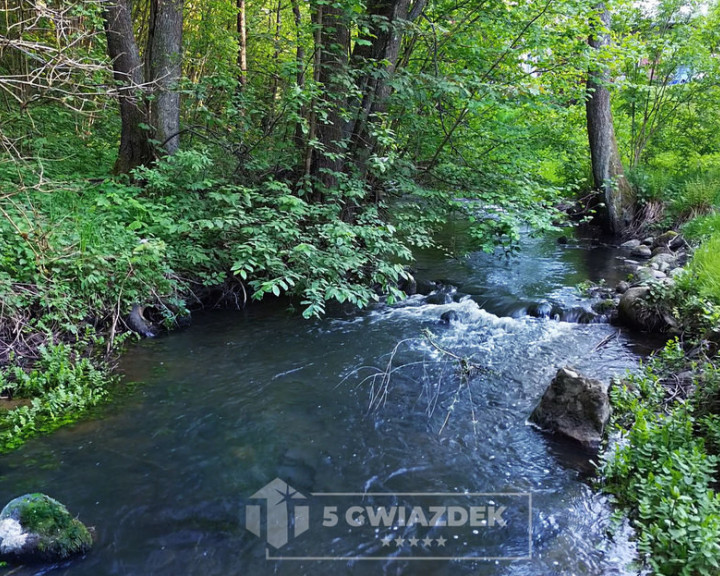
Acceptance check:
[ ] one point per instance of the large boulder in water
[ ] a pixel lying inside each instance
(575, 406)
(37, 528)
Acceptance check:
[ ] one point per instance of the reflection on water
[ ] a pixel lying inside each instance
(244, 397)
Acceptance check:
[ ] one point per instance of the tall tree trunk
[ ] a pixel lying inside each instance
(379, 56)
(135, 147)
(163, 61)
(608, 174)
(334, 38)
(242, 42)
(300, 64)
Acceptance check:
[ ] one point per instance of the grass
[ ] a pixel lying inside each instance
(705, 269)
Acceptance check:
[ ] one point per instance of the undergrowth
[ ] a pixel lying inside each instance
(664, 471)
(75, 257)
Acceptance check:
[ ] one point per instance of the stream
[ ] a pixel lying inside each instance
(368, 410)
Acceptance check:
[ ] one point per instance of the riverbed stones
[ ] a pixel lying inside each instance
(641, 251)
(644, 274)
(630, 244)
(409, 285)
(661, 250)
(442, 295)
(622, 287)
(665, 239)
(631, 308)
(574, 406)
(678, 243)
(37, 528)
(663, 262)
(425, 287)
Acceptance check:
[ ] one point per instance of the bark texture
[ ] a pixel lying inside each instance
(163, 61)
(135, 147)
(334, 37)
(608, 173)
(380, 50)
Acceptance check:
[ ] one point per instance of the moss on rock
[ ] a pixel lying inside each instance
(35, 527)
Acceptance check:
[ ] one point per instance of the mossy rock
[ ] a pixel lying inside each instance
(37, 528)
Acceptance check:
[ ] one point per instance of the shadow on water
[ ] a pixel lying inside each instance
(244, 397)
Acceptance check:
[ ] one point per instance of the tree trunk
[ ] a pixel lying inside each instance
(334, 37)
(163, 61)
(300, 64)
(242, 42)
(135, 147)
(608, 174)
(379, 55)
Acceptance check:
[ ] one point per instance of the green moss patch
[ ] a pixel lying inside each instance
(53, 534)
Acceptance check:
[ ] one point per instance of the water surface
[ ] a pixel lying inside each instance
(241, 398)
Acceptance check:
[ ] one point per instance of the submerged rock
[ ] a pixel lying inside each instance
(37, 528)
(449, 316)
(442, 295)
(575, 406)
(540, 310)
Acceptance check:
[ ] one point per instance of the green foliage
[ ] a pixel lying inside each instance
(275, 241)
(698, 196)
(702, 227)
(61, 388)
(662, 472)
(704, 270)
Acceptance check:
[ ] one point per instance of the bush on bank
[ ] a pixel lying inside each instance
(664, 470)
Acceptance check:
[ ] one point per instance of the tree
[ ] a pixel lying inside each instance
(377, 51)
(164, 64)
(143, 119)
(669, 70)
(608, 174)
(332, 25)
(135, 146)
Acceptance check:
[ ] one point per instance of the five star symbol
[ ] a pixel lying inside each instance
(426, 542)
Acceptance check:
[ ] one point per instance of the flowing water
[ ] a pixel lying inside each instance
(374, 405)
